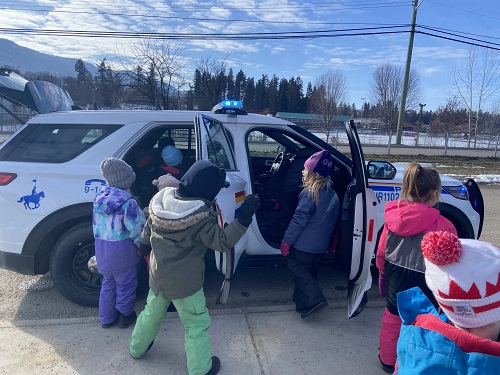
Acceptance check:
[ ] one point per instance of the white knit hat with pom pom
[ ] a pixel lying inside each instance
(464, 276)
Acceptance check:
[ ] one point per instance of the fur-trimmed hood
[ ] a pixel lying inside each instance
(173, 214)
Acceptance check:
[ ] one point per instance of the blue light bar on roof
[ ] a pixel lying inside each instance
(233, 107)
(230, 104)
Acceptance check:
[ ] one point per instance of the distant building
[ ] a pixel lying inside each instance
(311, 120)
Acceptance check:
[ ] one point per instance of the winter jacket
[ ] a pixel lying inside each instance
(399, 256)
(429, 344)
(178, 233)
(311, 227)
(117, 223)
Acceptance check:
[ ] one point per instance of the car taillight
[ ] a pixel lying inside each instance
(7, 178)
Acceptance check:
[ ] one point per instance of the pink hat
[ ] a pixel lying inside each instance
(464, 276)
(320, 162)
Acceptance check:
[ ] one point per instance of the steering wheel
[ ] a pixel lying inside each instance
(278, 160)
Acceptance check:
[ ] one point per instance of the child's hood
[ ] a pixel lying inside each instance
(409, 218)
(109, 199)
(173, 214)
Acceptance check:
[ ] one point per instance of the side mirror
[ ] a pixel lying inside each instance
(381, 170)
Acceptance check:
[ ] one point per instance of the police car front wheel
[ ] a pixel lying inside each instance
(68, 266)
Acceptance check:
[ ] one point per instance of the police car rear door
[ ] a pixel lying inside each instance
(361, 205)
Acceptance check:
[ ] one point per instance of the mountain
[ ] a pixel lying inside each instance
(28, 60)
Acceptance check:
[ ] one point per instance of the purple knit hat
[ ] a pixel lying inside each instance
(320, 162)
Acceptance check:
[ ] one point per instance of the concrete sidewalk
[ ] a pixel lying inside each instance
(254, 341)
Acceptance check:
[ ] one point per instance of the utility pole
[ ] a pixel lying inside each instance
(404, 90)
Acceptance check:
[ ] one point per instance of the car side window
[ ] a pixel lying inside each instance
(219, 145)
(259, 144)
(56, 143)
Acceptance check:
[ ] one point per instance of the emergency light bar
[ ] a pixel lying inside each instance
(229, 107)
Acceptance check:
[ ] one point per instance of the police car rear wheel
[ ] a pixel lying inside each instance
(68, 266)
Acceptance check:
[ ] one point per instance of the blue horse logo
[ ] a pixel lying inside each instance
(33, 198)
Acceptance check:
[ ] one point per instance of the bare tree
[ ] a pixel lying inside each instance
(475, 81)
(449, 117)
(158, 72)
(329, 94)
(385, 91)
(210, 82)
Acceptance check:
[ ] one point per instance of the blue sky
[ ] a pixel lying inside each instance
(308, 56)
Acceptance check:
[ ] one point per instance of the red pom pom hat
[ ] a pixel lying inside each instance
(464, 276)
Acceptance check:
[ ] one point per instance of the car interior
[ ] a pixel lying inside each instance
(277, 160)
(145, 158)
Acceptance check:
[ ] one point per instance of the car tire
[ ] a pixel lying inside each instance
(68, 266)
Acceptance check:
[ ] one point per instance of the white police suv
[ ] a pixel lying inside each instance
(49, 175)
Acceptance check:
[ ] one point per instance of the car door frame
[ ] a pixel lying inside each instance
(225, 262)
(362, 204)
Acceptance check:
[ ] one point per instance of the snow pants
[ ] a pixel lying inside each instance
(304, 268)
(388, 338)
(117, 293)
(196, 320)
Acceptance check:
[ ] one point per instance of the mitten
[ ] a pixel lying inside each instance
(381, 284)
(247, 209)
(166, 181)
(285, 248)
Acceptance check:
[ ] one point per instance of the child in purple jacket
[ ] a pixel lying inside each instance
(117, 222)
(308, 235)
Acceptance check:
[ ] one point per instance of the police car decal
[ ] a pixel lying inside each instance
(32, 201)
(386, 192)
(239, 196)
(93, 185)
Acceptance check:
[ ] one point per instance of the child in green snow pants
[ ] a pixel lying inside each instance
(196, 320)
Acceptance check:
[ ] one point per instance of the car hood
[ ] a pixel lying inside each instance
(40, 96)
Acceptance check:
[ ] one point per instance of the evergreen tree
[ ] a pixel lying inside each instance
(295, 95)
(231, 89)
(261, 99)
(82, 73)
(308, 97)
(272, 94)
(249, 94)
(283, 95)
(239, 84)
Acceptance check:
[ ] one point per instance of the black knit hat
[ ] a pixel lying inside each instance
(203, 180)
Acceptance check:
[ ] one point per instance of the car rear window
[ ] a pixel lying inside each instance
(54, 143)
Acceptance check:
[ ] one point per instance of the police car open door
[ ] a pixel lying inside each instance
(358, 213)
(214, 144)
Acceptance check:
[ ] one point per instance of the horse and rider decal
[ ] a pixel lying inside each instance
(34, 198)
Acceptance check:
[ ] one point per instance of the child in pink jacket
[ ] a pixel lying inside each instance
(399, 258)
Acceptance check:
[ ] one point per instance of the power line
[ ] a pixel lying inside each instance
(213, 36)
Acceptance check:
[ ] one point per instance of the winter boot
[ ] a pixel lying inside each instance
(125, 320)
(215, 366)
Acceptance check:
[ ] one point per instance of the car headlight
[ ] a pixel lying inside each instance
(459, 192)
